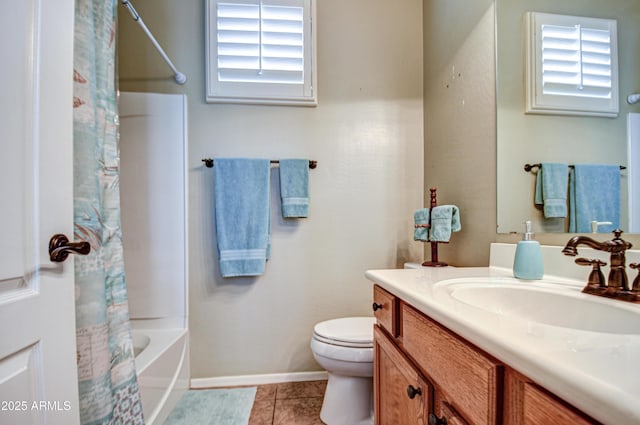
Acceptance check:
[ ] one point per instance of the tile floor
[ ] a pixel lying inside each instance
(289, 403)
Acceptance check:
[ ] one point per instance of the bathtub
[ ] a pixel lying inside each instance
(162, 364)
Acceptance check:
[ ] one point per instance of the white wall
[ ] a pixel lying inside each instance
(367, 135)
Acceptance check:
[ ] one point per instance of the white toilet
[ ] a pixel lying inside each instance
(344, 347)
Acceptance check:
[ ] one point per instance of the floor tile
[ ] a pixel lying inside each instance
(266, 392)
(289, 390)
(298, 411)
(264, 405)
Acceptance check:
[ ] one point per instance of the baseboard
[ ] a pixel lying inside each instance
(271, 378)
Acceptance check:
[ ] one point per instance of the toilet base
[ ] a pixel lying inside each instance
(348, 400)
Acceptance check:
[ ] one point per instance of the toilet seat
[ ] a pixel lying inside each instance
(355, 332)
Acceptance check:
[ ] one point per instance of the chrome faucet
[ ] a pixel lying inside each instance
(617, 285)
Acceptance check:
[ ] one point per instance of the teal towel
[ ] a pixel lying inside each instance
(242, 215)
(294, 187)
(551, 189)
(444, 220)
(594, 195)
(421, 217)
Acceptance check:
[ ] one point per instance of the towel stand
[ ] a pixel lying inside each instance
(434, 245)
(209, 163)
(529, 167)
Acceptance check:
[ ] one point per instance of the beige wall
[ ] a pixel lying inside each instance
(459, 121)
(367, 135)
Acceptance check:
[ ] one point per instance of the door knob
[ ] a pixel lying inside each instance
(60, 248)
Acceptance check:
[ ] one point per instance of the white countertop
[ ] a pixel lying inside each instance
(599, 373)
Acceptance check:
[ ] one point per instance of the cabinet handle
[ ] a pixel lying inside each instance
(434, 420)
(377, 306)
(412, 391)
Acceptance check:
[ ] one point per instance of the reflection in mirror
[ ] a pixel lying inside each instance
(529, 139)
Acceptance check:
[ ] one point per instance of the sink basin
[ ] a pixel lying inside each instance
(546, 303)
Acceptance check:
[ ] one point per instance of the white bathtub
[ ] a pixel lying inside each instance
(162, 364)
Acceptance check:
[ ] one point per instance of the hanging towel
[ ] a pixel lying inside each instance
(551, 189)
(594, 195)
(444, 220)
(421, 217)
(242, 215)
(294, 187)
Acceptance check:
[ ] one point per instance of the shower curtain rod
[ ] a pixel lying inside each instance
(177, 75)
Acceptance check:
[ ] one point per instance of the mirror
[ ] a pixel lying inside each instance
(529, 139)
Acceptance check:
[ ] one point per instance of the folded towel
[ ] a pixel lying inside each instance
(242, 215)
(594, 195)
(421, 217)
(444, 220)
(551, 189)
(294, 187)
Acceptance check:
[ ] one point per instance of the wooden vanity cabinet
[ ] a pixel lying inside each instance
(459, 384)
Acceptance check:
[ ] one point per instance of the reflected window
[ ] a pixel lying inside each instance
(572, 65)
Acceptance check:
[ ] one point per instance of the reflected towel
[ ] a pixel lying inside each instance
(444, 220)
(551, 189)
(294, 187)
(421, 217)
(594, 195)
(242, 215)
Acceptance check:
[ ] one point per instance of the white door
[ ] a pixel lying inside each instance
(38, 377)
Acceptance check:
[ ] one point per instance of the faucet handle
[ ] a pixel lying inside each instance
(596, 277)
(636, 281)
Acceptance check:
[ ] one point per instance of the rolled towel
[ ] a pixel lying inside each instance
(421, 229)
(294, 187)
(551, 189)
(444, 220)
(242, 215)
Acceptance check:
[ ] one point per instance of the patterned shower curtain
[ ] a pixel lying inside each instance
(107, 384)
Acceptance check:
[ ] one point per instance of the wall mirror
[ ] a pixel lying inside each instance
(532, 138)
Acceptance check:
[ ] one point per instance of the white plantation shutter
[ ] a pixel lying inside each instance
(572, 65)
(260, 51)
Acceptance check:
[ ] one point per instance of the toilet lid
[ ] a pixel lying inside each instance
(354, 331)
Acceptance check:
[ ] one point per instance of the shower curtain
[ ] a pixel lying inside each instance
(108, 386)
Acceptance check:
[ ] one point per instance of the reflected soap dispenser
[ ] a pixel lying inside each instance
(527, 263)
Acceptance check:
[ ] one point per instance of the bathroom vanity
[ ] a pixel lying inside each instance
(475, 346)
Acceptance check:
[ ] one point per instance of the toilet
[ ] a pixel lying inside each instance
(344, 348)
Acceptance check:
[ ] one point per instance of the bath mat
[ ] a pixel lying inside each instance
(223, 406)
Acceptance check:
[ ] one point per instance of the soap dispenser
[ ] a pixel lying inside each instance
(527, 263)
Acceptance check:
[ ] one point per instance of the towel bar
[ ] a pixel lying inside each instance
(529, 167)
(209, 163)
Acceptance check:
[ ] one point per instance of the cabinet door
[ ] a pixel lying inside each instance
(402, 396)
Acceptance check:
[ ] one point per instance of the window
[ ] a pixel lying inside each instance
(572, 65)
(260, 51)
